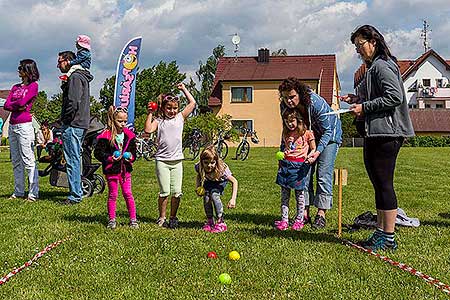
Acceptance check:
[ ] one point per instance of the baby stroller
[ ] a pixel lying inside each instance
(90, 181)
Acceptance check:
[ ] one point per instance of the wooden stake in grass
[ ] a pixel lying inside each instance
(340, 179)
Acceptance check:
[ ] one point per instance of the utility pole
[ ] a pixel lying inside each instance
(424, 35)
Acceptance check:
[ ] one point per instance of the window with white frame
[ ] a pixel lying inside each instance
(439, 82)
(426, 82)
(242, 94)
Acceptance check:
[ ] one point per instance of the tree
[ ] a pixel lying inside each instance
(150, 83)
(279, 52)
(348, 126)
(206, 74)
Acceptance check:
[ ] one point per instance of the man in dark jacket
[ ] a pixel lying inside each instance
(75, 120)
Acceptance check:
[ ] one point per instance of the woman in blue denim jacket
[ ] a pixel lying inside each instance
(328, 133)
(386, 123)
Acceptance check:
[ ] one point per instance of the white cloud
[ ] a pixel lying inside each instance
(187, 31)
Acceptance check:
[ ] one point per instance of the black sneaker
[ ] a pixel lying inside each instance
(319, 222)
(173, 223)
(379, 242)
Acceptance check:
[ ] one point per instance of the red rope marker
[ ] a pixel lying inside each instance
(38, 255)
(428, 279)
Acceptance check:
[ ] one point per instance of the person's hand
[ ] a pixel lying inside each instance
(349, 98)
(181, 86)
(357, 110)
(152, 107)
(231, 204)
(312, 157)
(116, 158)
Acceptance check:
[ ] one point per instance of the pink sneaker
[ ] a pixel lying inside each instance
(281, 225)
(220, 227)
(298, 225)
(209, 225)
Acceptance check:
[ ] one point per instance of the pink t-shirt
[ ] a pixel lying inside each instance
(21, 96)
(297, 145)
(169, 138)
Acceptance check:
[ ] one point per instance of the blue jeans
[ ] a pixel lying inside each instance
(324, 168)
(72, 139)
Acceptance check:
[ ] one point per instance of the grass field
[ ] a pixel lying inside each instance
(155, 263)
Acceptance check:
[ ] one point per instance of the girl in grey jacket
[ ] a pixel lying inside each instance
(382, 104)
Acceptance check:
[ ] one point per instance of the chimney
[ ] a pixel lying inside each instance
(263, 55)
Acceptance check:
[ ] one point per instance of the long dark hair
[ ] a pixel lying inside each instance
(29, 67)
(368, 32)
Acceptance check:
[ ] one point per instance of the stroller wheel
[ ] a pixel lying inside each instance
(87, 187)
(99, 183)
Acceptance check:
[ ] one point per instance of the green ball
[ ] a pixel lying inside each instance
(225, 278)
(280, 155)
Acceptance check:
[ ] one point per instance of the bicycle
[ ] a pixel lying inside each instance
(243, 148)
(221, 145)
(145, 147)
(192, 144)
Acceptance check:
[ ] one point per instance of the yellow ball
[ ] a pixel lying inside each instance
(234, 255)
(200, 191)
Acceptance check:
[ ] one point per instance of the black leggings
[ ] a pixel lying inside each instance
(380, 155)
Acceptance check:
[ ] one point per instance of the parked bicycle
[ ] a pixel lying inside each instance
(145, 147)
(244, 146)
(221, 145)
(192, 144)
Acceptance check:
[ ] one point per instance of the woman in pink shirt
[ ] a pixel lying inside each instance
(21, 132)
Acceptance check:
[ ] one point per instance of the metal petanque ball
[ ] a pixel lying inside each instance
(280, 155)
(127, 155)
(225, 278)
(234, 255)
(116, 153)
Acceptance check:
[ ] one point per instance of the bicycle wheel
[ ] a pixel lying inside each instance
(195, 150)
(222, 149)
(99, 183)
(242, 150)
(149, 151)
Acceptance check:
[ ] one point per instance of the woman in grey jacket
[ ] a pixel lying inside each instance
(381, 103)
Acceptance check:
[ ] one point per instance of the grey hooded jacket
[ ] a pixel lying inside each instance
(385, 108)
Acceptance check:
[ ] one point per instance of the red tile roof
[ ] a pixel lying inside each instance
(306, 67)
(430, 120)
(405, 66)
(4, 94)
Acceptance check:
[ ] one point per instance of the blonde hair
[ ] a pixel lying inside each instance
(110, 125)
(289, 113)
(162, 101)
(211, 153)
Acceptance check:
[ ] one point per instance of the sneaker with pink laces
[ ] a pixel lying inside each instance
(209, 225)
(281, 225)
(298, 225)
(219, 227)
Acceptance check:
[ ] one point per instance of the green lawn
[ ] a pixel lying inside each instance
(155, 263)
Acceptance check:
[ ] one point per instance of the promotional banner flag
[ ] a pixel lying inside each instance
(127, 67)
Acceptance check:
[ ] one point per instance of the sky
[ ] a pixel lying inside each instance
(186, 31)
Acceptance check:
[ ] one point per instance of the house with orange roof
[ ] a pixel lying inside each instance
(427, 87)
(247, 88)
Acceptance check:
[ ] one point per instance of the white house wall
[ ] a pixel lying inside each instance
(432, 69)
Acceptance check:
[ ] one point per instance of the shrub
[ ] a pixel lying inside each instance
(210, 124)
(428, 141)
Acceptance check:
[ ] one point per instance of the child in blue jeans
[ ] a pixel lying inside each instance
(82, 60)
(212, 177)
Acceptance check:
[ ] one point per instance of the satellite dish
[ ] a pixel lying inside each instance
(235, 39)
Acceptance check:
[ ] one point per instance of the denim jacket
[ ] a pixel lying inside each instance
(385, 109)
(327, 128)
